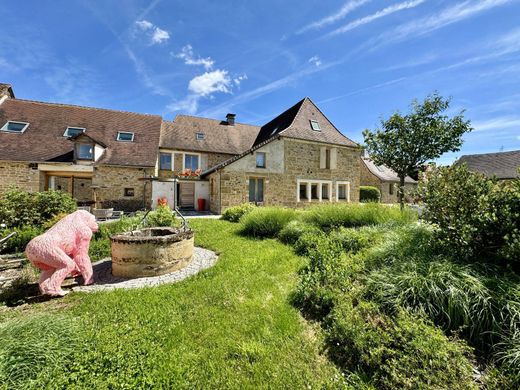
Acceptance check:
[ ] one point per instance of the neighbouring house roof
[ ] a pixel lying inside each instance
(43, 140)
(503, 165)
(6, 90)
(219, 136)
(296, 123)
(384, 173)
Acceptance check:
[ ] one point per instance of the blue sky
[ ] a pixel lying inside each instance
(359, 60)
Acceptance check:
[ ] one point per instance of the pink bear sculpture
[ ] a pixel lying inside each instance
(62, 250)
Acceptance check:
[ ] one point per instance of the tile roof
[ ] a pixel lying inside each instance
(219, 137)
(382, 172)
(44, 141)
(295, 123)
(503, 165)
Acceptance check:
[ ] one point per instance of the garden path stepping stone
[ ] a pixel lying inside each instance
(104, 280)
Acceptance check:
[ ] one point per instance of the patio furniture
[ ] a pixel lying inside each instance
(118, 214)
(103, 214)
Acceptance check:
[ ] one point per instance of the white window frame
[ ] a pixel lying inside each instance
(191, 154)
(124, 140)
(265, 160)
(73, 127)
(315, 122)
(172, 161)
(347, 184)
(4, 127)
(200, 136)
(309, 183)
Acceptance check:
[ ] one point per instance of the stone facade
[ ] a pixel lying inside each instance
(207, 160)
(115, 180)
(287, 161)
(387, 196)
(19, 174)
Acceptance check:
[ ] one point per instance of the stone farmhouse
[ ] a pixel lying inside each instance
(386, 180)
(129, 161)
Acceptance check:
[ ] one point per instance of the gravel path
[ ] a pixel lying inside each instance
(104, 280)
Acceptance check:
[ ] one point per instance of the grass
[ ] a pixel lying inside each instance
(231, 326)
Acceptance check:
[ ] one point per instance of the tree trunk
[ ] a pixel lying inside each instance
(401, 192)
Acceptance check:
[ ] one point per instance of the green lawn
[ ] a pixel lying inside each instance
(231, 326)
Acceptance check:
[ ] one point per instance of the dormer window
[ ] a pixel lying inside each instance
(315, 125)
(125, 136)
(15, 127)
(73, 131)
(199, 136)
(85, 151)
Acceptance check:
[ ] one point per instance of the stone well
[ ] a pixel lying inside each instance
(151, 252)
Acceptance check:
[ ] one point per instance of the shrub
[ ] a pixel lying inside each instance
(99, 249)
(405, 351)
(21, 208)
(19, 241)
(369, 194)
(332, 216)
(233, 214)
(294, 230)
(36, 347)
(161, 216)
(266, 221)
(476, 216)
(51, 222)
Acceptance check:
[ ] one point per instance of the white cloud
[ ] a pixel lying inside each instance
(188, 56)
(499, 123)
(428, 24)
(347, 8)
(190, 104)
(315, 60)
(379, 14)
(155, 34)
(237, 80)
(210, 82)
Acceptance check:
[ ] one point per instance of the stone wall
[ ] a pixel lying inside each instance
(301, 160)
(116, 179)
(369, 179)
(20, 175)
(207, 160)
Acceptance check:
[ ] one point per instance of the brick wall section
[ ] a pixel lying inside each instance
(117, 179)
(301, 161)
(18, 174)
(369, 179)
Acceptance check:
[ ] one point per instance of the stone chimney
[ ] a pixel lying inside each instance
(231, 119)
(6, 92)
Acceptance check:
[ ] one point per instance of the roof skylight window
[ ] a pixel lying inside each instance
(125, 136)
(73, 131)
(15, 127)
(315, 125)
(199, 136)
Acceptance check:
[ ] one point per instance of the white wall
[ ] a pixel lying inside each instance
(163, 189)
(201, 192)
(274, 159)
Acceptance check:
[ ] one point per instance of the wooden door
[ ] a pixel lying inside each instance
(187, 195)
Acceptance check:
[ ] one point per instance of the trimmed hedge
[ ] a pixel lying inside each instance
(233, 214)
(369, 194)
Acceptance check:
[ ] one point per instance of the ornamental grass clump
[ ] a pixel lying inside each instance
(294, 230)
(35, 349)
(266, 221)
(333, 216)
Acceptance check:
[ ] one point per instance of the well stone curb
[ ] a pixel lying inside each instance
(104, 280)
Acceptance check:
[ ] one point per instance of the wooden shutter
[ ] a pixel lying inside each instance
(333, 158)
(323, 157)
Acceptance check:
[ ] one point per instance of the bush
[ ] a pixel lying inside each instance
(161, 216)
(99, 249)
(19, 241)
(476, 216)
(233, 214)
(21, 208)
(400, 352)
(294, 230)
(369, 194)
(36, 348)
(353, 240)
(266, 221)
(333, 216)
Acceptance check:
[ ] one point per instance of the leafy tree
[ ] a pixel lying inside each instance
(406, 142)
